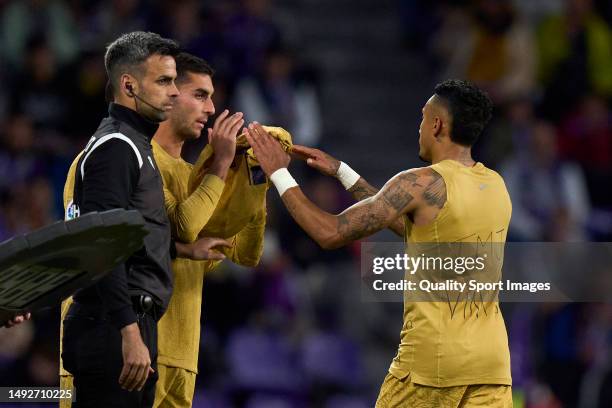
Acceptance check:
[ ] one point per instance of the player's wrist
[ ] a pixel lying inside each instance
(183, 250)
(283, 180)
(220, 168)
(347, 176)
(225, 155)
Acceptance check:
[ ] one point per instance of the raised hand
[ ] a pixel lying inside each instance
(317, 159)
(222, 138)
(268, 150)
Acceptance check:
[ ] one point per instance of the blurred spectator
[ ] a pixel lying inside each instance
(103, 21)
(87, 89)
(248, 34)
(549, 197)
(51, 19)
(560, 365)
(278, 96)
(19, 159)
(182, 21)
(586, 137)
(196, 27)
(274, 290)
(304, 252)
(596, 353)
(535, 11)
(261, 358)
(326, 357)
(14, 347)
(29, 206)
(44, 365)
(490, 45)
(508, 133)
(39, 90)
(575, 56)
(419, 20)
(40, 204)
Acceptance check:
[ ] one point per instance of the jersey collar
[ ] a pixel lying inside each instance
(133, 119)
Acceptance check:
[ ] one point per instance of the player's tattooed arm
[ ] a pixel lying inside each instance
(362, 190)
(435, 193)
(400, 195)
(328, 165)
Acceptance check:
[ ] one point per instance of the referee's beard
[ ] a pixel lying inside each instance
(151, 114)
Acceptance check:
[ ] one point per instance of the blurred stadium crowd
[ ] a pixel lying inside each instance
(293, 332)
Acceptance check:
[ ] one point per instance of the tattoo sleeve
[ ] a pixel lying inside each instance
(362, 190)
(435, 193)
(385, 209)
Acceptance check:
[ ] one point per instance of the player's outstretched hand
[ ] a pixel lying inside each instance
(17, 320)
(206, 248)
(268, 150)
(317, 159)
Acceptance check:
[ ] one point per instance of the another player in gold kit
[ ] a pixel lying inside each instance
(189, 211)
(223, 195)
(444, 359)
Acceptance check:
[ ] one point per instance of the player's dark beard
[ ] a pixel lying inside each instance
(186, 132)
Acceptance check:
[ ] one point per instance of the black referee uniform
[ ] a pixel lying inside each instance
(118, 170)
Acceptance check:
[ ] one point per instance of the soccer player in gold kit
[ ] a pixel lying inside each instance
(444, 359)
(192, 205)
(179, 328)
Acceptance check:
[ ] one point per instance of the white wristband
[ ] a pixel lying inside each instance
(347, 176)
(283, 180)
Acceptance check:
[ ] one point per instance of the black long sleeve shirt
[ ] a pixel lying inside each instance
(118, 170)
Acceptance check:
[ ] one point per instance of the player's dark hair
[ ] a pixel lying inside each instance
(128, 53)
(190, 64)
(470, 109)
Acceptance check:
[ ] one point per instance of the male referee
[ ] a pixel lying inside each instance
(444, 359)
(110, 331)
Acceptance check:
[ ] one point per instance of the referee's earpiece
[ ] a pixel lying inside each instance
(132, 94)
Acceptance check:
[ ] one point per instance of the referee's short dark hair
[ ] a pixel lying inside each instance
(190, 64)
(128, 53)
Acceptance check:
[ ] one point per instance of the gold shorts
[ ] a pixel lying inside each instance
(65, 384)
(174, 388)
(396, 393)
